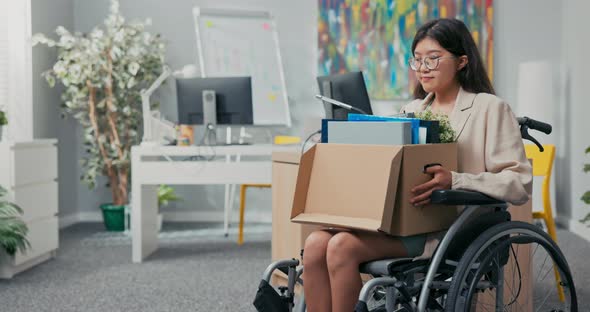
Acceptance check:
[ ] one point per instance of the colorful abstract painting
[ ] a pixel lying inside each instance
(375, 36)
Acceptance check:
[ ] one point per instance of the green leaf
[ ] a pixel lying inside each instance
(588, 150)
(166, 194)
(3, 119)
(586, 168)
(586, 197)
(13, 230)
(8, 209)
(586, 219)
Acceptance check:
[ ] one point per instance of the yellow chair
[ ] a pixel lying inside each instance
(278, 140)
(542, 167)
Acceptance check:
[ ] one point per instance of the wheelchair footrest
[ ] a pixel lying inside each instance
(268, 300)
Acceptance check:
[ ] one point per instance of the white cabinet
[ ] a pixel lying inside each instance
(28, 170)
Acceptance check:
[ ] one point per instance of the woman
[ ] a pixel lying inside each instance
(452, 81)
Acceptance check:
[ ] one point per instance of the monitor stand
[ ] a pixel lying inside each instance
(210, 135)
(209, 117)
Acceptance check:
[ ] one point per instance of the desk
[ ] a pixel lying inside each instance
(152, 166)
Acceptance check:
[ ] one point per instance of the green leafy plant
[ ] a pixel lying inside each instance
(103, 73)
(166, 195)
(13, 231)
(3, 119)
(446, 131)
(586, 197)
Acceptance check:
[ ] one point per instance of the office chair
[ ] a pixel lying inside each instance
(278, 140)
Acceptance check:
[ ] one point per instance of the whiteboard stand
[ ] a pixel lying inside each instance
(233, 43)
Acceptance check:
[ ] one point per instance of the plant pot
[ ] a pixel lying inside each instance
(113, 217)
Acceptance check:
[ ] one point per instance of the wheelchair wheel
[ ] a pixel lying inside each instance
(490, 266)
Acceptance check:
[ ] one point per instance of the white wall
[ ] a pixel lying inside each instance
(576, 111)
(45, 17)
(524, 30)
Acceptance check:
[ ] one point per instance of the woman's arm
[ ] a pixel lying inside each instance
(508, 173)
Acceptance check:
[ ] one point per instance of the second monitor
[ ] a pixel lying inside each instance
(348, 88)
(211, 101)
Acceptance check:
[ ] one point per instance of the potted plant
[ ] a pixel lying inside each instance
(3, 122)
(13, 231)
(446, 131)
(103, 73)
(586, 197)
(166, 195)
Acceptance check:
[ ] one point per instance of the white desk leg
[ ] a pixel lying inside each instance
(232, 195)
(226, 205)
(144, 215)
(144, 222)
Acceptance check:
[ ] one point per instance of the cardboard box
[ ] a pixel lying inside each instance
(368, 187)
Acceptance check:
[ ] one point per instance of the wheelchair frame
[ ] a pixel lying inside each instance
(475, 202)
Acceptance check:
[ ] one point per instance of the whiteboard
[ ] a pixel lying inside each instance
(234, 43)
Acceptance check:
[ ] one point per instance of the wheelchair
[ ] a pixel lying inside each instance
(476, 264)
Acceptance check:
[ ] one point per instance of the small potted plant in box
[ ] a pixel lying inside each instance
(446, 131)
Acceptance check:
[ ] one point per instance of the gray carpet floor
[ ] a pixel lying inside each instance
(195, 269)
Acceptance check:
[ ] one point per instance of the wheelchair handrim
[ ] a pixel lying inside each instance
(521, 232)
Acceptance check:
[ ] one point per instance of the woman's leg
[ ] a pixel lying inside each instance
(315, 272)
(345, 252)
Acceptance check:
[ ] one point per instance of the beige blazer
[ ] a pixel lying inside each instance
(491, 153)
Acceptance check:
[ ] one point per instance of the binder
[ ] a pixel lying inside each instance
(414, 122)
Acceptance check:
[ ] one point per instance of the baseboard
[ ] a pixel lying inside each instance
(563, 222)
(90, 216)
(574, 226)
(213, 216)
(580, 229)
(67, 220)
(173, 216)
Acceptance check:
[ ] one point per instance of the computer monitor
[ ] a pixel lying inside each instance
(221, 100)
(348, 88)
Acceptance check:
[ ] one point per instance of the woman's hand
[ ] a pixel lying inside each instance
(441, 180)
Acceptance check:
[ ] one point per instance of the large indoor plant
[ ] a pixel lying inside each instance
(13, 231)
(103, 73)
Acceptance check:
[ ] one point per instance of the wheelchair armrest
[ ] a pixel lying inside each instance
(460, 197)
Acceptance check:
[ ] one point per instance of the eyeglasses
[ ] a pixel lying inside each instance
(430, 62)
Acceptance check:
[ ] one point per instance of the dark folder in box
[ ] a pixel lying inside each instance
(432, 130)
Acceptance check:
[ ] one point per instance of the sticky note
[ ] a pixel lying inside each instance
(266, 26)
(209, 24)
(272, 97)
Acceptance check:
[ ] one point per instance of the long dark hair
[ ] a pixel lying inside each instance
(453, 35)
